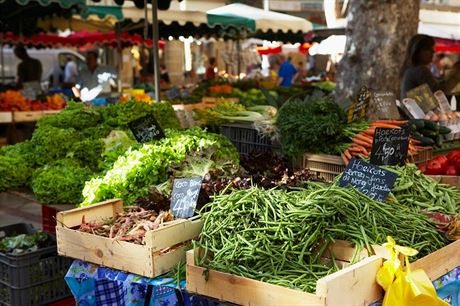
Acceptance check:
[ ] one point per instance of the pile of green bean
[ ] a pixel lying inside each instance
(276, 236)
(421, 192)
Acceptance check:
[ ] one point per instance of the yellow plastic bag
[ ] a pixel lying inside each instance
(402, 286)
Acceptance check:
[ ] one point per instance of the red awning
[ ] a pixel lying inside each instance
(79, 40)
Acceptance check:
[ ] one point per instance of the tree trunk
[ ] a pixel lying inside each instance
(377, 34)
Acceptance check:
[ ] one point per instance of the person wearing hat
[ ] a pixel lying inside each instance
(416, 68)
(29, 70)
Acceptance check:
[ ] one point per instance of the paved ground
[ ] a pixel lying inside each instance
(16, 207)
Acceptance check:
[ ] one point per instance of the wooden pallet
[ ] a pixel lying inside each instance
(354, 285)
(146, 260)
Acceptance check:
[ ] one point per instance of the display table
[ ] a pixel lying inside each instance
(94, 285)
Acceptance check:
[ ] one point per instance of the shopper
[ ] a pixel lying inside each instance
(286, 73)
(164, 75)
(70, 73)
(94, 80)
(29, 69)
(416, 67)
(211, 70)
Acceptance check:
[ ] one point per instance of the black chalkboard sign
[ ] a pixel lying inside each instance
(383, 106)
(390, 146)
(371, 180)
(184, 196)
(359, 107)
(146, 129)
(424, 97)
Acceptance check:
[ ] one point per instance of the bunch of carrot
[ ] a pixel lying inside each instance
(361, 145)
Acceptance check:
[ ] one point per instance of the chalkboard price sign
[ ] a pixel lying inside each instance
(390, 146)
(358, 108)
(371, 180)
(424, 97)
(146, 129)
(184, 196)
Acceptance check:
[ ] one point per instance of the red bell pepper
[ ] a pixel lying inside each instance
(433, 167)
(442, 160)
(452, 156)
(422, 168)
(451, 170)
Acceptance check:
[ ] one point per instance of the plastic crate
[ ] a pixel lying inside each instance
(49, 216)
(247, 139)
(33, 278)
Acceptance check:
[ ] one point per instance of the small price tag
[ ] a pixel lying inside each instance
(146, 129)
(358, 108)
(390, 146)
(371, 180)
(383, 106)
(185, 196)
(424, 97)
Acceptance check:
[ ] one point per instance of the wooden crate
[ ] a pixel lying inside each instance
(31, 116)
(146, 260)
(447, 179)
(6, 117)
(216, 100)
(439, 262)
(354, 285)
(421, 157)
(326, 166)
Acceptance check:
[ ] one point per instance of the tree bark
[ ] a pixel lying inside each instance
(377, 34)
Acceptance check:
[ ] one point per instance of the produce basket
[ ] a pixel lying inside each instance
(163, 249)
(352, 286)
(32, 278)
(247, 139)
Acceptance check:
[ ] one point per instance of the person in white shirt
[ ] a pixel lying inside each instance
(70, 73)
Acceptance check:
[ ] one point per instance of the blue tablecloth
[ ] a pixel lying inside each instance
(92, 285)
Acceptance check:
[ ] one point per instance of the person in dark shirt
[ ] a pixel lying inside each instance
(29, 69)
(416, 67)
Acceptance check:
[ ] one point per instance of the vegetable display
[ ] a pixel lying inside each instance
(69, 148)
(279, 237)
(138, 169)
(23, 243)
(362, 141)
(429, 133)
(312, 125)
(13, 100)
(443, 164)
(130, 225)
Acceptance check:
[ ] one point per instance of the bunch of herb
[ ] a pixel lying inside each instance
(23, 243)
(314, 125)
(75, 115)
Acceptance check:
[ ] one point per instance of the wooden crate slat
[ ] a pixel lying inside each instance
(243, 291)
(352, 286)
(180, 231)
(119, 255)
(440, 262)
(166, 262)
(6, 117)
(104, 209)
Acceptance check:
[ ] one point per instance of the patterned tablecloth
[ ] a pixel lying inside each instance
(92, 285)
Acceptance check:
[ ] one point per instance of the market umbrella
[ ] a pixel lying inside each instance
(260, 23)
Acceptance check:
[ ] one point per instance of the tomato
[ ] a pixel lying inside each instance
(422, 168)
(452, 156)
(451, 170)
(442, 160)
(433, 167)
